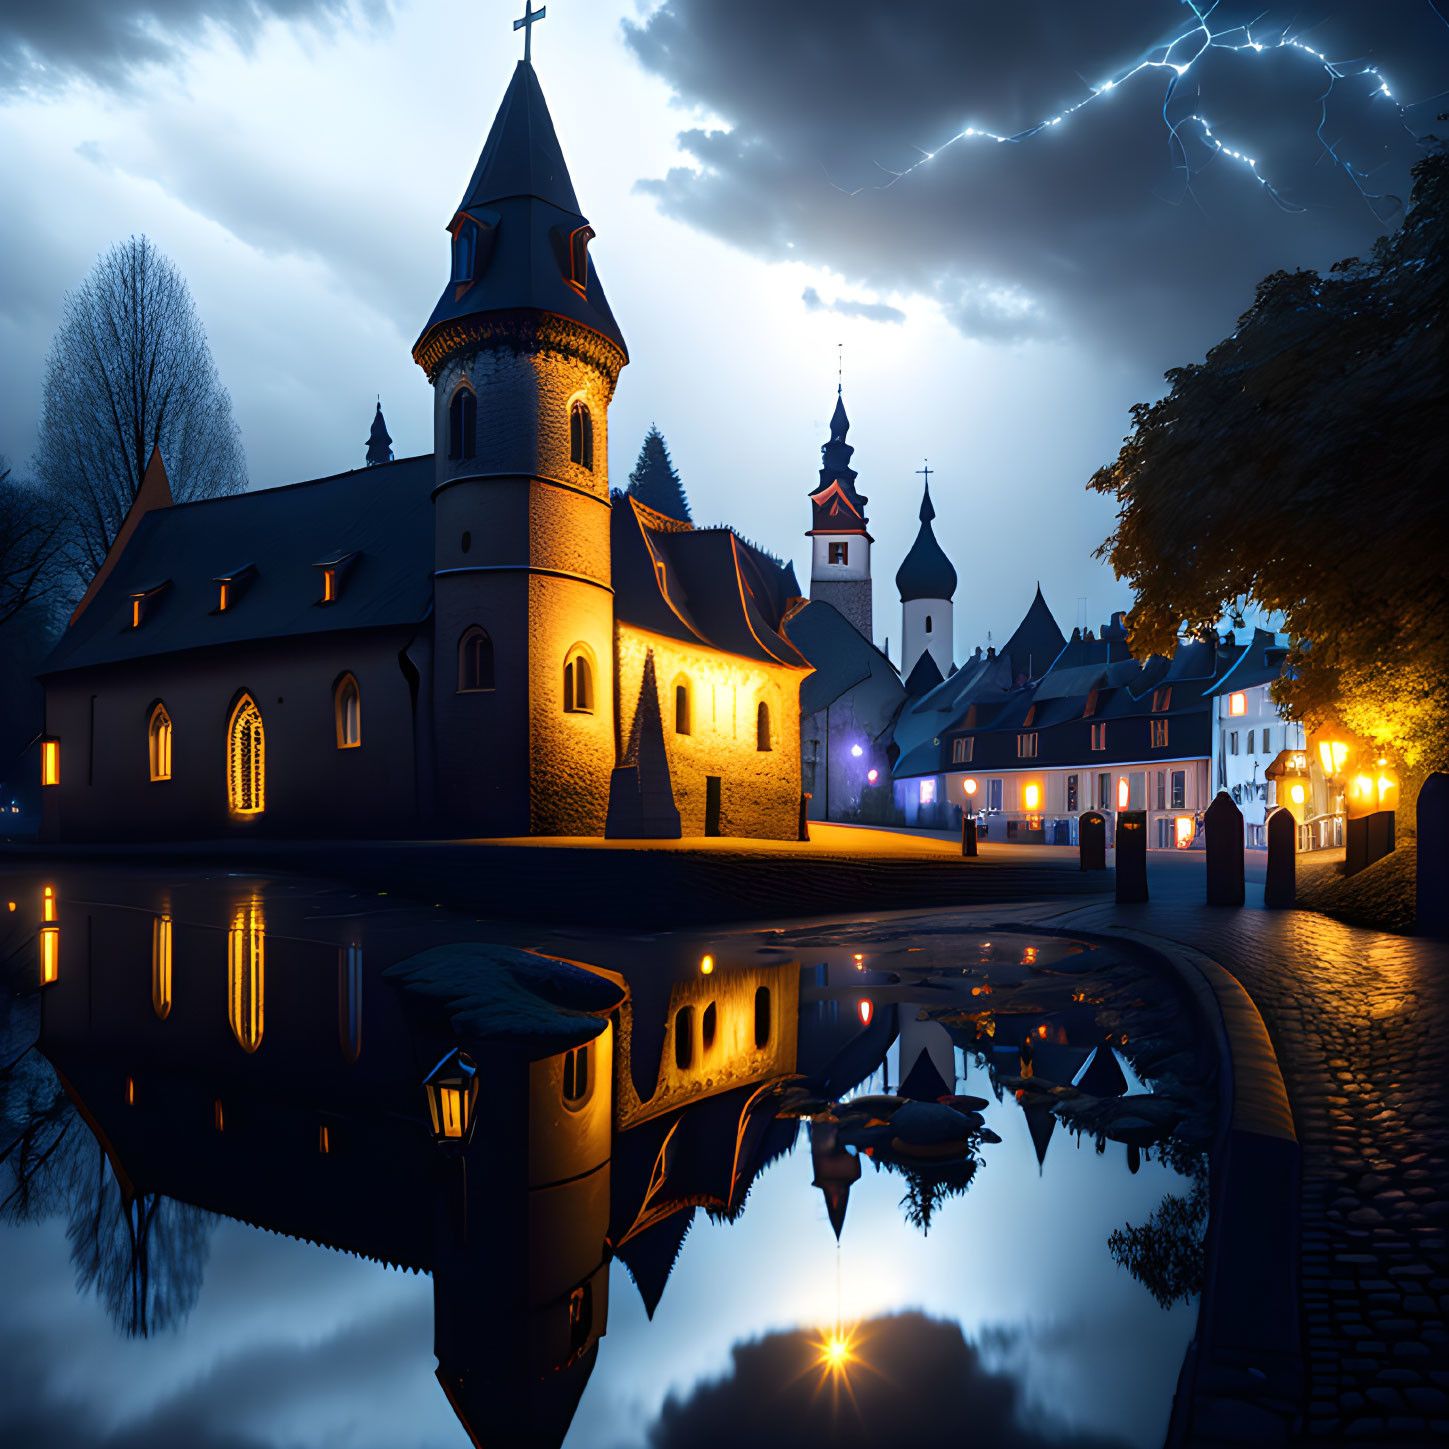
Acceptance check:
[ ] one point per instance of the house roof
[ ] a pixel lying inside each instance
(701, 585)
(383, 515)
(844, 660)
(522, 200)
(1261, 662)
(926, 572)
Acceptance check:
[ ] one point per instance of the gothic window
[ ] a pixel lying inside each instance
(475, 661)
(578, 683)
(581, 435)
(158, 740)
(762, 727)
(762, 1016)
(347, 713)
(465, 251)
(839, 553)
(682, 721)
(246, 759)
(462, 424)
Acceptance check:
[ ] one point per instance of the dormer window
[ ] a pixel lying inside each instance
(142, 603)
(334, 572)
(329, 585)
(581, 434)
(579, 257)
(465, 250)
(230, 587)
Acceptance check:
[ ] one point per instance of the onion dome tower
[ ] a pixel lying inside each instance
(926, 581)
(379, 445)
(523, 354)
(840, 561)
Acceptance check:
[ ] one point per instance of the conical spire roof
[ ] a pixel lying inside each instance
(379, 444)
(521, 201)
(1034, 647)
(926, 572)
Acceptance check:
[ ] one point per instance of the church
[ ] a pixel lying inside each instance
(480, 641)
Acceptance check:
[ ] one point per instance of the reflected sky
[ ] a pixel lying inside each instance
(294, 1343)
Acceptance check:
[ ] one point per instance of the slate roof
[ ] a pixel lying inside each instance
(844, 660)
(926, 572)
(701, 585)
(382, 514)
(523, 201)
(1261, 662)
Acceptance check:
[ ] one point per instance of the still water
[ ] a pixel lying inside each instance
(821, 1184)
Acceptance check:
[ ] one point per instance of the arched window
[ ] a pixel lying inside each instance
(581, 435)
(246, 759)
(684, 1038)
(579, 240)
(158, 743)
(707, 1024)
(347, 713)
(928, 623)
(475, 661)
(578, 683)
(762, 727)
(462, 424)
(465, 251)
(762, 1016)
(576, 1077)
(682, 720)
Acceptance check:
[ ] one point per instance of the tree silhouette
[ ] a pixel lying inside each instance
(130, 369)
(1166, 1254)
(654, 482)
(1300, 468)
(29, 527)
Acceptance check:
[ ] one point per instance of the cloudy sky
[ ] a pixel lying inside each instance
(767, 180)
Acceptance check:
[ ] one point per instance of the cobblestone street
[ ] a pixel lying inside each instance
(1360, 1022)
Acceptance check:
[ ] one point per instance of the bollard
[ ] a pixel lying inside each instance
(1092, 840)
(1222, 824)
(805, 816)
(1131, 856)
(1280, 888)
(1432, 883)
(1366, 839)
(968, 835)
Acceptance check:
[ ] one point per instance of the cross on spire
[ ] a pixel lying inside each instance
(839, 365)
(927, 470)
(526, 24)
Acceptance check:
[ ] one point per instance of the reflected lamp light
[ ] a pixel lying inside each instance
(452, 1092)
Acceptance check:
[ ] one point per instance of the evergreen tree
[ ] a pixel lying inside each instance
(654, 482)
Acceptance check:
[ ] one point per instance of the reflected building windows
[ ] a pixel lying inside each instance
(576, 1077)
(246, 976)
(161, 966)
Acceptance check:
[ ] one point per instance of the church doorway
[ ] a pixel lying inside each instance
(711, 804)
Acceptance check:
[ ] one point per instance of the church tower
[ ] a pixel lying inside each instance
(926, 581)
(523, 354)
(840, 561)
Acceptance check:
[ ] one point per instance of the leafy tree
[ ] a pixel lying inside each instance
(130, 369)
(29, 525)
(654, 482)
(1167, 1253)
(1300, 467)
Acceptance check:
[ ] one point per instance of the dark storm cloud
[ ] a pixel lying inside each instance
(916, 1380)
(49, 41)
(851, 307)
(1099, 226)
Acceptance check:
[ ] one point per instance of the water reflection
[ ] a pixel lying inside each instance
(611, 1102)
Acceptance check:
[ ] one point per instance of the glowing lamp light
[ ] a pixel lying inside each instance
(1122, 795)
(1238, 703)
(452, 1092)
(856, 751)
(47, 904)
(1332, 754)
(1297, 794)
(1031, 797)
(969, 786)
(873, 776)
(706, 965)
(1185, 827)
(865, 1010)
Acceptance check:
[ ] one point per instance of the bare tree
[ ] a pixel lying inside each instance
(29, 524)
(131, 369)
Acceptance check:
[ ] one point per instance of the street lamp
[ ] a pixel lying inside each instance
(452, 1091)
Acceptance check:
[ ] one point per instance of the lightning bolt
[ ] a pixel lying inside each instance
(1177, 59)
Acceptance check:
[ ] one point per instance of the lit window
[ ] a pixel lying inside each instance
(762, 727)
(1238, 703)
(579, 240)
(475, 661)
(246, 976)
(135, 613)
(223, 598)
(578, 684)
(1031, 798)
(329, 585)
(1159, 734)
(581, 435)
(158, 738)
(928, 792)
(1099, 736)
(576, 1077)
(324, 1140)
(50, 762)
(218, 1116)
(49, 955)
(1186, 828)
(839, 553)
(682, 712)
(48, 907)
(161, 966)
(462, 424)
(347, 713)
(1026, 747)
(246, 766)
(1162, 698)
(1124, 793)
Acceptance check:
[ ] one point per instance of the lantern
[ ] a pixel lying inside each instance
(1370, 789)
(452, 1089)
(1289, 774)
